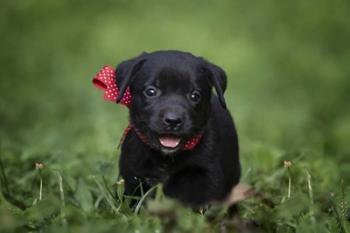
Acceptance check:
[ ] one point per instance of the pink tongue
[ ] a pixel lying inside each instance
(171, 142)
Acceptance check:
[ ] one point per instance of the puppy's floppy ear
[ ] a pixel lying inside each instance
(126, 71)
(218, 79)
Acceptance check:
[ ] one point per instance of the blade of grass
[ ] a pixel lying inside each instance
(63, 202)
(110, 200)
(311, 196)
(143, 198)
(4, 188)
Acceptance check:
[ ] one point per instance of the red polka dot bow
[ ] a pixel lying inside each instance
(106, 79)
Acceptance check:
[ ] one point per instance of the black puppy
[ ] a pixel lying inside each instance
(182, 134)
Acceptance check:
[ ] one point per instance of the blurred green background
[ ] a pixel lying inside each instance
(288, 73)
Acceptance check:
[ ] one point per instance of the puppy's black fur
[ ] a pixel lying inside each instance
(178, 86)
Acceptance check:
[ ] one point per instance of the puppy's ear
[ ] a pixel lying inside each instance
(126, 72)
(218, 79)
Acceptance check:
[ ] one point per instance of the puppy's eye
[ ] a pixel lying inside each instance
(195, 96)
(151, 92)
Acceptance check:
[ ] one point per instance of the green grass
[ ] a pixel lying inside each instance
(289, 91)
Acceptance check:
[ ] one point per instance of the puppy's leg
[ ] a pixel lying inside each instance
(132, 190)
(192, 186)
(132, 186)
(135, 188)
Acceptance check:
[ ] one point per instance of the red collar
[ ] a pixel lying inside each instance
(189, 145)
(105, 79)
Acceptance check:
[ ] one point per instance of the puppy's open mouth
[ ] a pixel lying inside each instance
(169, 141)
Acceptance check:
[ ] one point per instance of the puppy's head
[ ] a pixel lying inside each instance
(171, 95)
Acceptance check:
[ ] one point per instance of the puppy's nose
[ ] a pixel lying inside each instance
(172, 120)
